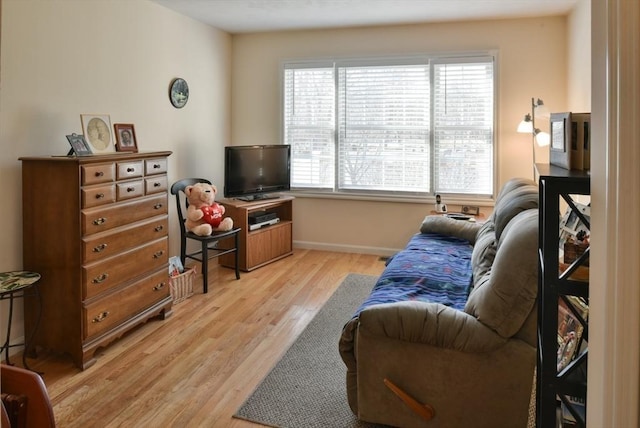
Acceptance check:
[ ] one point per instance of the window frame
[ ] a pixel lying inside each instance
(404, 196)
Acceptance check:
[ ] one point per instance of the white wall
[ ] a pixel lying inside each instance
(579, 58)
(532, 63)
(62, 58)
(614, 311)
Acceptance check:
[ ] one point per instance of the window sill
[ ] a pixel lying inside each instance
(452, 202)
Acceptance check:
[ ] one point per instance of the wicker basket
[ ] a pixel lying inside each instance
(182, 285)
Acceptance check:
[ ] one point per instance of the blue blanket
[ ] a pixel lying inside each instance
(432, 268)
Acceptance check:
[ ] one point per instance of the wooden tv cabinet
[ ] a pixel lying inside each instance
(262, 245)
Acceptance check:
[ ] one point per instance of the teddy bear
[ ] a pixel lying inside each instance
(204, 215)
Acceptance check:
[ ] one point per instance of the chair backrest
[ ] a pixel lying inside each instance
(176, 189)
(19, 381)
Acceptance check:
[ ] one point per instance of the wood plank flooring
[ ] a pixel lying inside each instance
(198, 366)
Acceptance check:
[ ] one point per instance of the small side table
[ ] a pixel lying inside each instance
(13, 285)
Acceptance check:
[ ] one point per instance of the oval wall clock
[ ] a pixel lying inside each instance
(179, 92)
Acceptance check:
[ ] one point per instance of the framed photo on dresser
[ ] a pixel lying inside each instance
(79, 146)
(97, 132)
(125, 137)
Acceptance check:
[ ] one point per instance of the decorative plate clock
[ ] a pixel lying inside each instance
(179, 92)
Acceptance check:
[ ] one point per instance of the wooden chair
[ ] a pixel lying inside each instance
(209, 245)
(36, 411)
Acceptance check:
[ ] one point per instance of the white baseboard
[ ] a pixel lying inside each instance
(385, 252)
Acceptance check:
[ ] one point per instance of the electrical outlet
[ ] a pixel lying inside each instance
(470, 210)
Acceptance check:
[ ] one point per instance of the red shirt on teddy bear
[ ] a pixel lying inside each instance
(212, 214)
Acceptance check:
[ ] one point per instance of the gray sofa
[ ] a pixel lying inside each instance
(473, 366)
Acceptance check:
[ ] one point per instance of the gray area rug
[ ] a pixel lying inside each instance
(307, 388)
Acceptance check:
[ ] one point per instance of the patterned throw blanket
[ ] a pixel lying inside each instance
(432, 268)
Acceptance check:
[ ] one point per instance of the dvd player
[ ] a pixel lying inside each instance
(261, 217)
(264, 223)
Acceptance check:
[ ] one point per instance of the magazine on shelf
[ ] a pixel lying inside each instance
(579, 406)
(570, 329)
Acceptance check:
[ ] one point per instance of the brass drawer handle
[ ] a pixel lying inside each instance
(101, 278)
(158, 254)
(156, 166)
(99, 221)
(157, 206)
(131, 189)
(99, 173)
(100, 196)
(130, 169)
(159, 287)
(156, 184)
(159, 228)
(99, 248)
(101, 317)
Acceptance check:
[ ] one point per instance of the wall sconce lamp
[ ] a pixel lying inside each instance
(528, 126)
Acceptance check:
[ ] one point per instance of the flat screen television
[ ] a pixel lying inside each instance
(254, 172)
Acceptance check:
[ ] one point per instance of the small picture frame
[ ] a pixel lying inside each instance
(560, 147)
(97, 132)
(125, 137)
(79, 146)
(571, 225)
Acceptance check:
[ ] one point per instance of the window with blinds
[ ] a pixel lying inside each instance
(415, 126)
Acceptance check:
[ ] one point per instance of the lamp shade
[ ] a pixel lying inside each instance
(526, 126)
(540, 109)
(543, 138)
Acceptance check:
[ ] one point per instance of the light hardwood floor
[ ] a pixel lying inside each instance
(197, 367)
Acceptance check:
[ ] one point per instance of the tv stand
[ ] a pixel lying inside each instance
(265, 244)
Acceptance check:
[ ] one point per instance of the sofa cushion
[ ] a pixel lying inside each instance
(518, 198)
(432, 268)
(484, 252)
(450, 227)
(517, 195)
(507, 295)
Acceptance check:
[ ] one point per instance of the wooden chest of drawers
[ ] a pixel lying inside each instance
(96, 229)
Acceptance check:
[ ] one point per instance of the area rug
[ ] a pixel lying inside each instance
(307, 388)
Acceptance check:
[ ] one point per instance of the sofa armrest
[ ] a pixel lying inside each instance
(439, 356)
(430, 324)
(450, 227)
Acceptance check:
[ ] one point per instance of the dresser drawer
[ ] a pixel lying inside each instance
(129, 190)
(155, 166)
(100, 246)
(117, 307)
(98, 195)
(100, 219)
(155, 184)
(95, 174)
(129, 170)
(101, 276)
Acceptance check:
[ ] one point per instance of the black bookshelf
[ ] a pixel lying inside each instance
(556, 383)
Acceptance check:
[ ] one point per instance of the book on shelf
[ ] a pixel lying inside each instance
(570, 328)
(579, 406)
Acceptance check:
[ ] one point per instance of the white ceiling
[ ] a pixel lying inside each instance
(243, 16)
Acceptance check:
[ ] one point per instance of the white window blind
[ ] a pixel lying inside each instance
(413, 126)
(463, 127)
(383, 131)
(309, 125)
